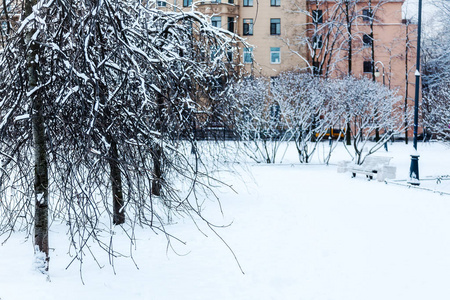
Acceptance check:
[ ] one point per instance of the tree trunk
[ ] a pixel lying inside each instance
(116, 183)
(350, 38)
(157, 150)
(349, 58)
(40, 180)
(405, 109)
(348, 135)
(157, 170)
(40, 151)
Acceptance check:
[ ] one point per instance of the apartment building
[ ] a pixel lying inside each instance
(330, 38)
(298, 34)
(362, 38)
(268, 26)
(367, 38)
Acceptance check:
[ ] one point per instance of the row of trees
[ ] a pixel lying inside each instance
(340, 33)
(436, 76)
(303, 108)
(97, 104)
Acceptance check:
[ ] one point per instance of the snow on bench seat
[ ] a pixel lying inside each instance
(374, 166)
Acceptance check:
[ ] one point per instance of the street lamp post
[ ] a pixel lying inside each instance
(377, 74)
(414, 168)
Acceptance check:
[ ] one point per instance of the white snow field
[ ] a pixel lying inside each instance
(299, 232)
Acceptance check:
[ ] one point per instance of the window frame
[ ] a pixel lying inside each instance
(247, 3)
(317, 16)
(275, 27)
(216, 21)
(4, 26)
(367, 15)
(215, 52)
(230, 24)
(187, 3)
(248, 53)
(274, 51)
(274, 109)
(229, 55)
(367, 40)
(161, 3)
(317, 42)
(316, 68)
(275, 3)
(249, 25)
(368, 67)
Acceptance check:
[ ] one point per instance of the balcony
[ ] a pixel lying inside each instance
(217, 7)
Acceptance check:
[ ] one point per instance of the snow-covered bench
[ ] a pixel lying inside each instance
(372, 165)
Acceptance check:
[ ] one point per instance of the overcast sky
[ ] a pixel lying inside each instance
(430, 12)
(410, 8)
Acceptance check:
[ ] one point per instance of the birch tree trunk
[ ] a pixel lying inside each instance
(348, 137)
(116, 184)
(157, 152)
(40, 150)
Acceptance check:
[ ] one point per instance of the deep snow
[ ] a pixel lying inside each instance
(298, 231)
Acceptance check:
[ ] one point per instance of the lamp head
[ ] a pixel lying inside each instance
(377, 73)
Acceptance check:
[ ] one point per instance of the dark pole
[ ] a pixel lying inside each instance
(414, 169)
(377, 130)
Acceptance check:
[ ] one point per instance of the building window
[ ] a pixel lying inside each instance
(161, 3)
(217, 84)
(317, 16)
(230, 1)
(275, 55)
(216, 22)
(248, 2)
(230, 55)
(275, 2)
(248, 27)
(367, 15)
(187, 3)
(215, 52)
(317, 42)
(248, 55)
(274, 112)
(367, 40)
(317, 70)
(4, 26)
(368, 67)
(275, 26)
(230, 24)
(273, 81)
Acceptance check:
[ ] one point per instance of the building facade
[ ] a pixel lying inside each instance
(330, 38)
(268, 27)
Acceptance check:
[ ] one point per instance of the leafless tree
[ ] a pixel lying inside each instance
(303, 101)
(260, 124)
(106, 94)
(368, 105)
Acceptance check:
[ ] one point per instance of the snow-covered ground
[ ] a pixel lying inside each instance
(298, 232)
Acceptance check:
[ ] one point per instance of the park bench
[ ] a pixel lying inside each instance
(372, 166)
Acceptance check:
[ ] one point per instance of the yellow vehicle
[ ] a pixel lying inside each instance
(335, 133)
